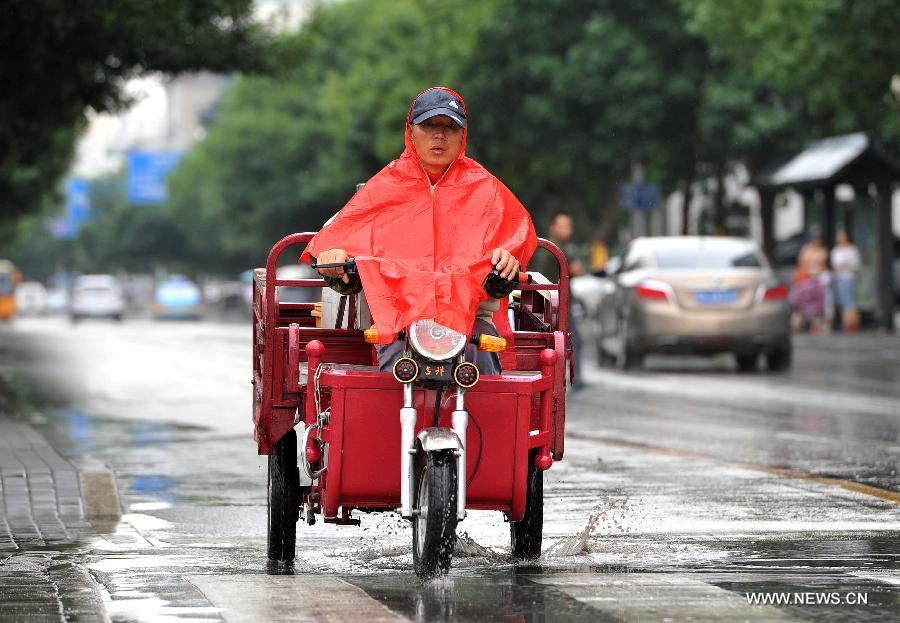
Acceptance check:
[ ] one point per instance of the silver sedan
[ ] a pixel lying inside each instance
(693, 295)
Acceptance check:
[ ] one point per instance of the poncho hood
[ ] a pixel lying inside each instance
(422, 249)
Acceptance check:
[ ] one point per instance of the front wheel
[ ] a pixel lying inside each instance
(284, 504)
(779, 360)
(434, 526)
(746, 362)
(525, 536)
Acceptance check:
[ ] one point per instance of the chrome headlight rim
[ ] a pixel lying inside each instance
(424, 352)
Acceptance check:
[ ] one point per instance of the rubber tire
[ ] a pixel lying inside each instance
(283, 503)
(604, 359)
(627, 358)
(779, 360)
(525, 536)
(436, 553)
(746, 363)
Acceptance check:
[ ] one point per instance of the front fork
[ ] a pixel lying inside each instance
(408, 418)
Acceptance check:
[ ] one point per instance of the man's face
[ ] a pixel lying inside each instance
(437, 142)
(561, 228)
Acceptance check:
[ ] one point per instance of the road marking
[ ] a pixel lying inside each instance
(294, 598)
(658, 597)
(848, 485)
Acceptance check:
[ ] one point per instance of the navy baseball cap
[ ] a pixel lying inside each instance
(437, 101)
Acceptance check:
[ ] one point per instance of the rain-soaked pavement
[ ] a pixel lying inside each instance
(687, 491)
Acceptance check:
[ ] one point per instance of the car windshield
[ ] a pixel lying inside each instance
(717, 256)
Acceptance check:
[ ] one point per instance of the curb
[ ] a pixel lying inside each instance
(99, 492)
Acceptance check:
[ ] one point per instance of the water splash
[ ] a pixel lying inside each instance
(577, 545)
(607, 517)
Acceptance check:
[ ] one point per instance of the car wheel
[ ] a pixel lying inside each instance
(628, 357)
(746, 362)
(604, 359)
(779, 360)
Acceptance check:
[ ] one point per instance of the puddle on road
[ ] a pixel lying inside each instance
(503, 596)
(182, 522)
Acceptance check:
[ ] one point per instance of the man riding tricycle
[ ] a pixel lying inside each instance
(426, 315)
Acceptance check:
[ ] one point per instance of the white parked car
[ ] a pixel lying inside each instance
(31, 298)
(97, 296)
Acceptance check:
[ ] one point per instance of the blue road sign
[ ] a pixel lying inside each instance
(147, 173)
(640, 195)
(77, 210)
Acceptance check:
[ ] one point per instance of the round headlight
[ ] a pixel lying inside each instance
(435, 341)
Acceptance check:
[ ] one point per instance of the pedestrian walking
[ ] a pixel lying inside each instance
(560, 233)
(845, 261)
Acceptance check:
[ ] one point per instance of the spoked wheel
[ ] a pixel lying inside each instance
(526, 535)
(284, 504)
(434, 527)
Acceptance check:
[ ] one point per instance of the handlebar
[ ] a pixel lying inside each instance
(496, 286)
(349, 264)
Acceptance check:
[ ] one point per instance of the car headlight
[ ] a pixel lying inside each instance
(435, 341)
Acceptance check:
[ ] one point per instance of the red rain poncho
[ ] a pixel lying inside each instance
(423, 251)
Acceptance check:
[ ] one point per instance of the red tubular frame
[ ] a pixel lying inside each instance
(284, 339)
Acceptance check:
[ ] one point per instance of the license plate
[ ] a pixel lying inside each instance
(435, 371)
(716, 297)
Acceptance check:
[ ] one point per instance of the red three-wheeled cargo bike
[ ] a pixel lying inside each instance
(343, 436)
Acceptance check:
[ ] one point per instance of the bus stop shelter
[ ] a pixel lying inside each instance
(853, 159)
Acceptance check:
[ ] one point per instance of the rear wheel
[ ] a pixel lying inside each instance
(525, 536)
(779, 360)
(746, 363)
(434, 526)
(284, 504)
(628, 357)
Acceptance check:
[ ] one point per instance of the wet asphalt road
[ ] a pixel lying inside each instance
(685, 488)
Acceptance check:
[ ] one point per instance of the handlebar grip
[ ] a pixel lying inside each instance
(337, 283)
(350, 265)
(498, 287)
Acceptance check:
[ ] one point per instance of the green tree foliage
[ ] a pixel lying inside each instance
(565, 97)
(832, 62)
(120, 236)
(570, 95)
(57, 59)
(287, 150)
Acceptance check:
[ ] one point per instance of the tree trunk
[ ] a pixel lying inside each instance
(719, 201)
(686, 205)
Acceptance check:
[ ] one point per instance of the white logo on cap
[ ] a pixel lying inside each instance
(456, 119)
(453, 104)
